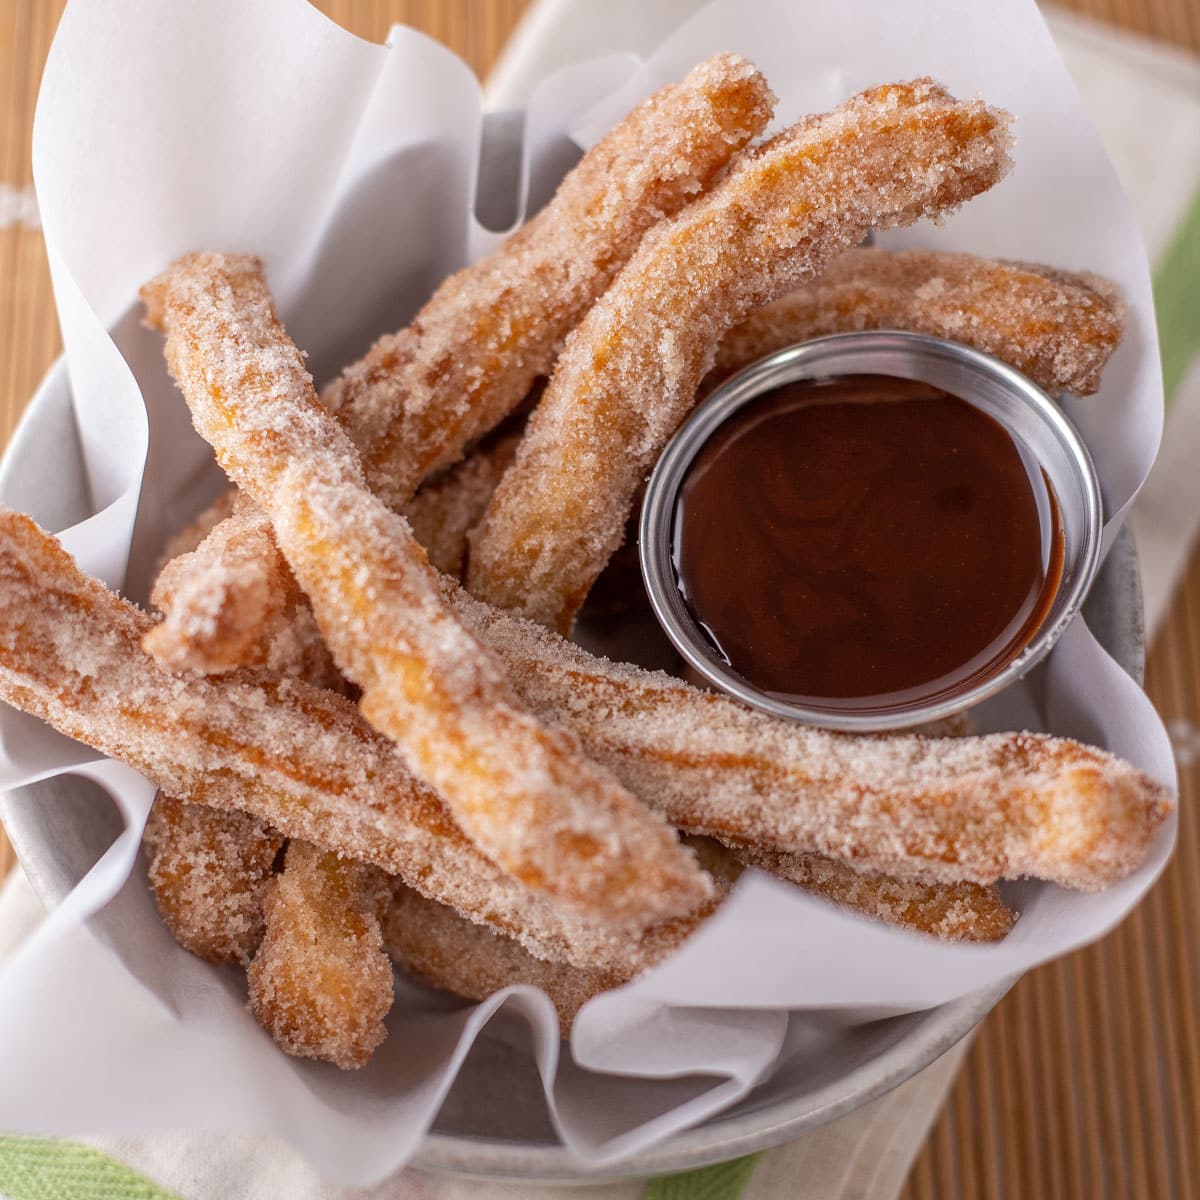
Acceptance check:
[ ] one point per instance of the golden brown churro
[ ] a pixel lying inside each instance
(321, 982)
(1058, 328)
(974, 809)
(191, 535)
(527, 796)
(208, 872)
(472, 353)
(447, 508)
(952, 912)
(629, 373)
(229, 598)
(297, 757)
(436, 944)
(422, 395)
(229, 606)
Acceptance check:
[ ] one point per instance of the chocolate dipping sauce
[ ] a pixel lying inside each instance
(865, 539)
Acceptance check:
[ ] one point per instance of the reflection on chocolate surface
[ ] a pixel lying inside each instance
(865, 537)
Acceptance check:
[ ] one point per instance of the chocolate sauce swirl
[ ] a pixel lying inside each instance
(866, 539)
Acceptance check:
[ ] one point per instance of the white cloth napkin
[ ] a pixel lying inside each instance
(1145, 100)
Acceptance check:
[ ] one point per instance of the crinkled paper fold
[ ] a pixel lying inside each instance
(353, 169)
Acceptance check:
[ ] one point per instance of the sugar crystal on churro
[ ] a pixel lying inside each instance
(1057, 327)
(321, 982)
(208, 872)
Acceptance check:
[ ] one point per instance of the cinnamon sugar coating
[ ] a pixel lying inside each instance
(1058, 328)
(473, 352)
(524, 793)
(299, 758)
(228, 605)
(437, 945)
(951, 912)
(321, 983)
(629, 372)
(229, 599)
(191, 535)
(974, 809)
(447, 508)
(208, 872)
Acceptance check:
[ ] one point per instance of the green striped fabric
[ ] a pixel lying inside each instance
(725, 1181)
(50, 1169)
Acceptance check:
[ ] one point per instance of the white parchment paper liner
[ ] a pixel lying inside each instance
(352, 169)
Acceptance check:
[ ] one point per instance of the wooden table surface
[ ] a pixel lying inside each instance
(1085, 1082)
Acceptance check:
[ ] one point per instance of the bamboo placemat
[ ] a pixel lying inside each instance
(1085, 1082)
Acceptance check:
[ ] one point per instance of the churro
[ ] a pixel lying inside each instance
(952, 912)
(208, 872)
(421, 396)
(1058, 328)
(473, 352)
(321, 982)
(299, 758)
(629, 372)
(228, 598)
(446, 509)
(192, 534)
(437, 945)
(228, 605)
(973, 809)
(523, 792)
